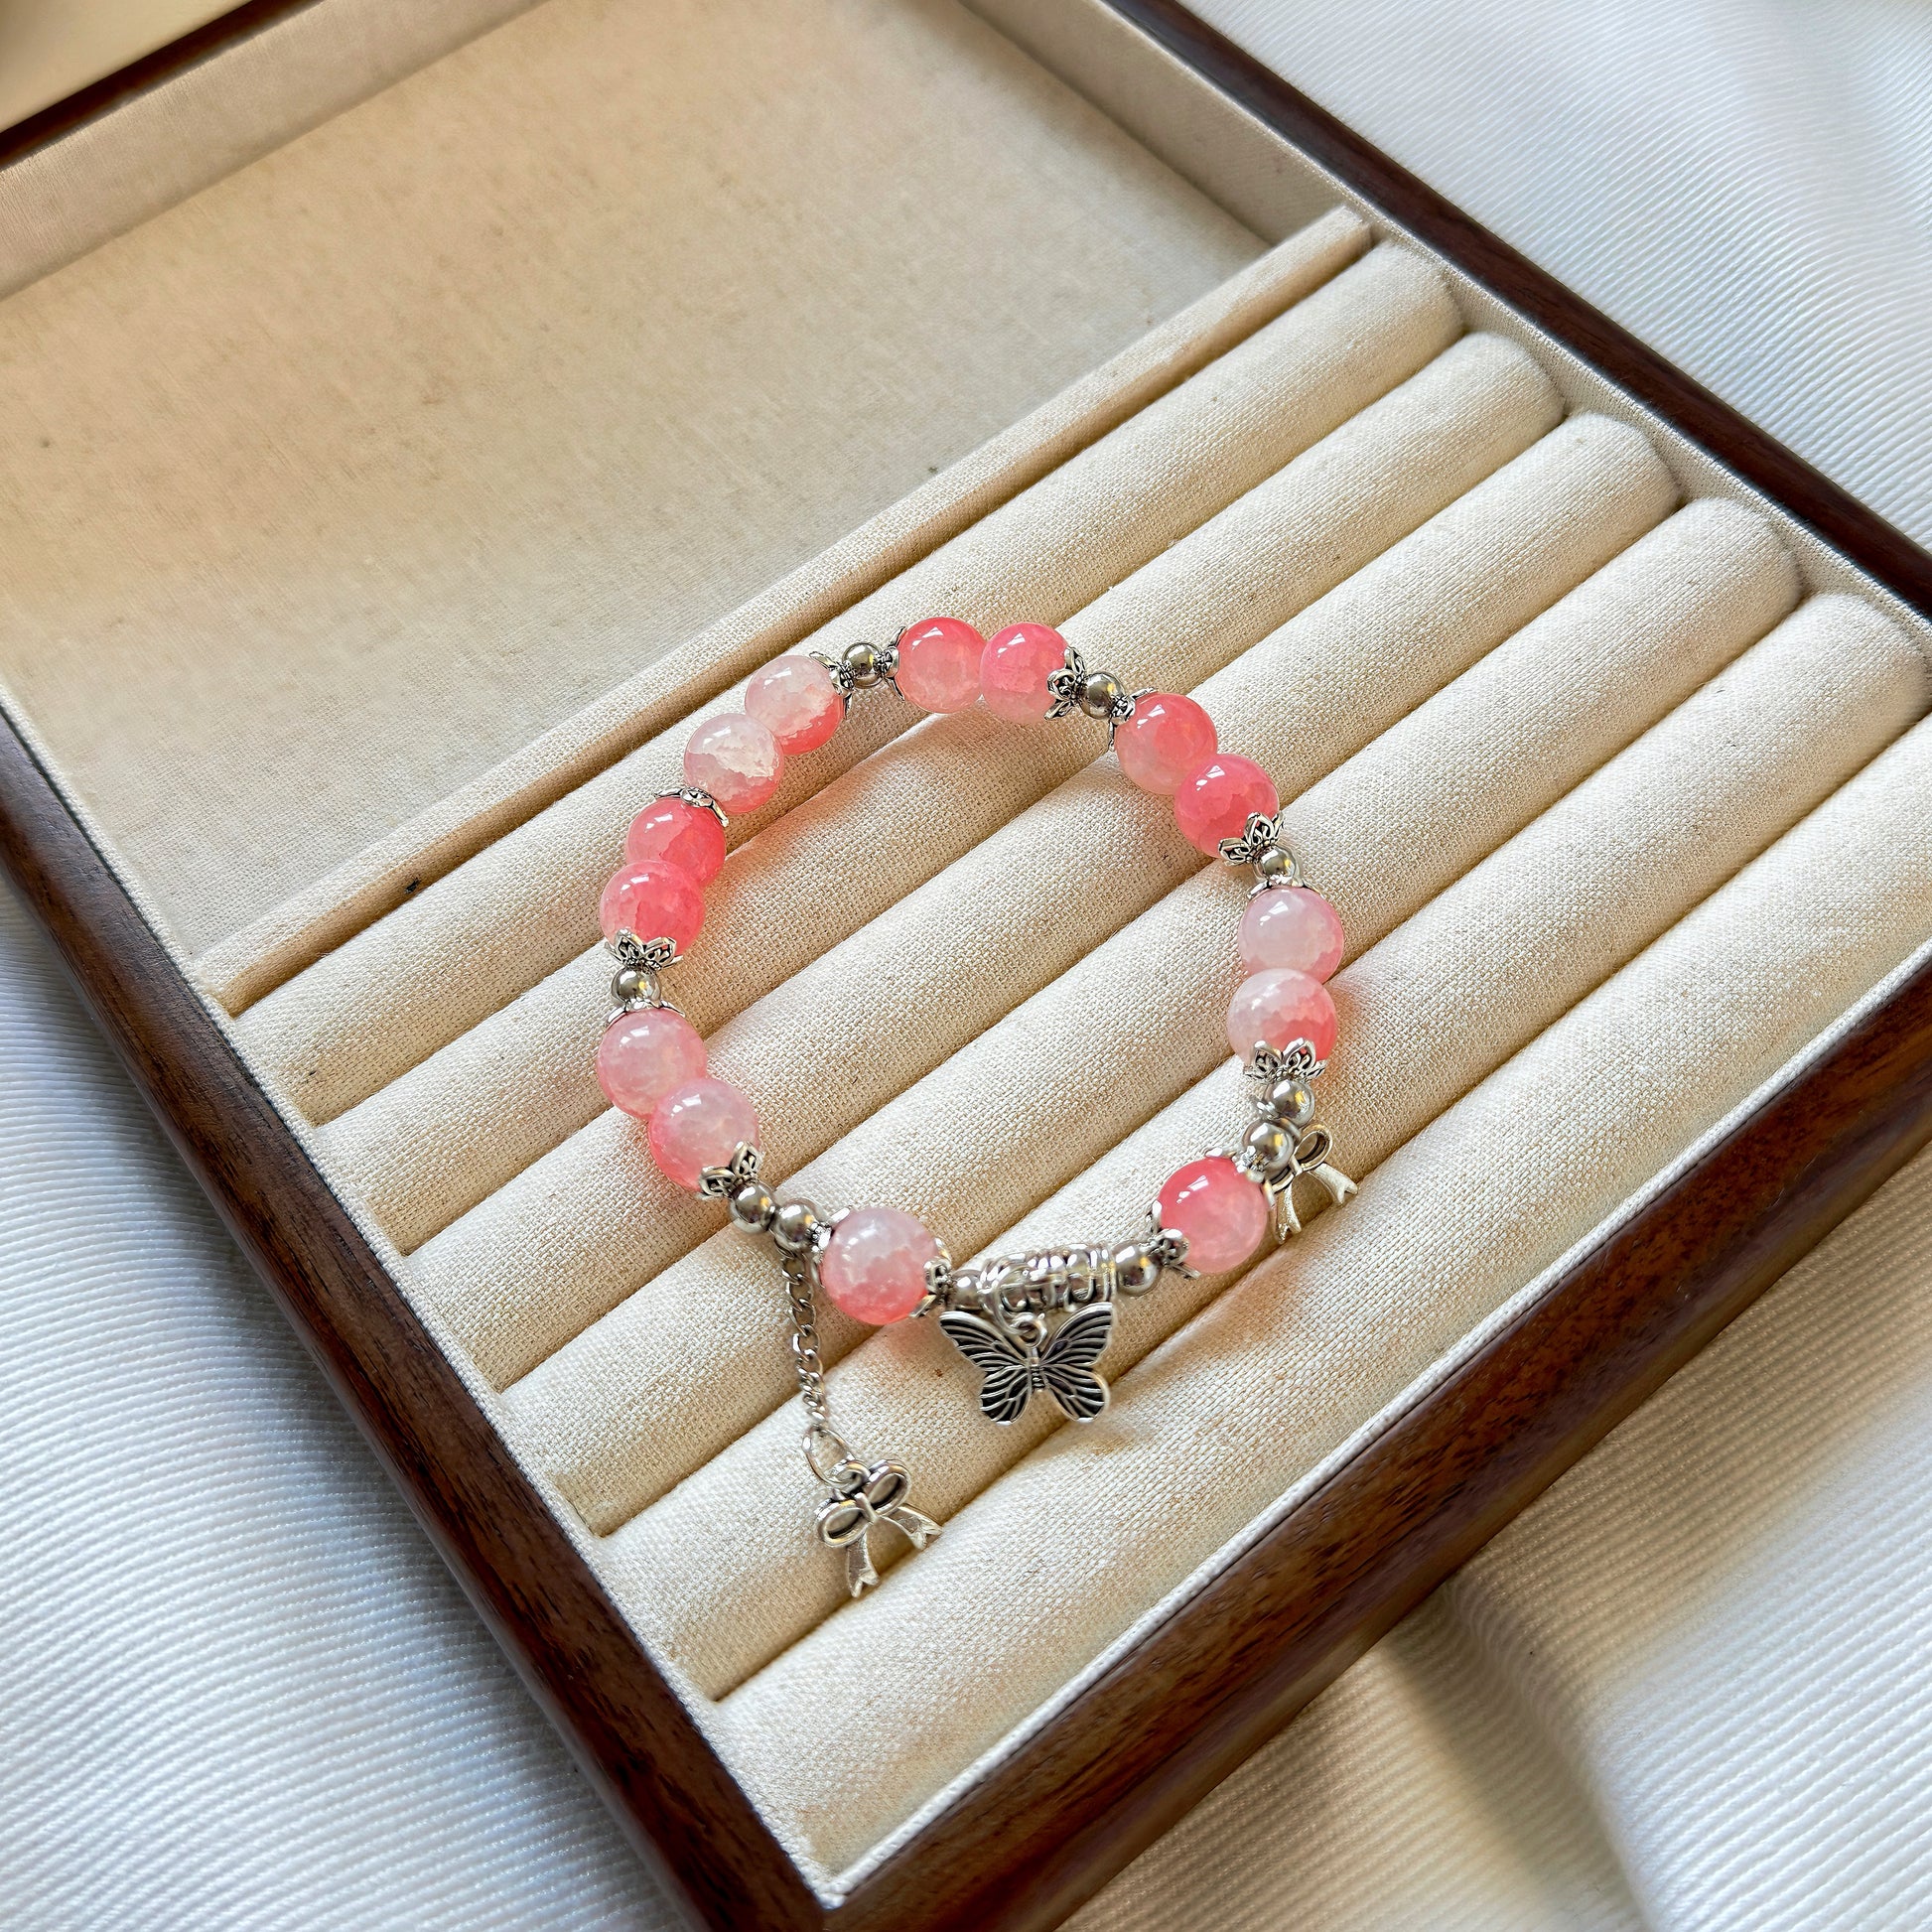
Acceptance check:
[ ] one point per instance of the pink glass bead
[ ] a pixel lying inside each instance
(874, 1268)
(1015, 667)
(699, 1125)
(645, 1054)
(655, 901)
(1222, 1214)
(735, 759)
(1291, 926)
(795, 700)
(1278, 1005)
(1217, 801)
(680, 833)
(939, 664)
(1167, 739)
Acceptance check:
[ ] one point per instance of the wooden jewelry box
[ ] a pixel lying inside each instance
(412, 428)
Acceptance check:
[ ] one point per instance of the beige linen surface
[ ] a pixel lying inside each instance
(515, 1285)
(377, 1005)
(363, 514)
(430, 1147)
(1285, 1366)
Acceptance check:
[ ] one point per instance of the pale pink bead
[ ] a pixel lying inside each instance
(1217, 801)
(684, 835)
(655, 901)
(874, 1268)
(1291, 926)
(699, 1125)
(939, 664)
(645, 1054)
(795, 700)
(1015, 667)
(1165, 742)
(1278, 1005)
(735, 759)
(1222, 1214)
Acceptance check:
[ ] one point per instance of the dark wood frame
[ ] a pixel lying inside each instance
(1131, 1753)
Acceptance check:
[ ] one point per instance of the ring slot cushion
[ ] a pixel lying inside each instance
(1619, 791)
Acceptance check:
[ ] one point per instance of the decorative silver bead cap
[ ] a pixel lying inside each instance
(694, 796)
(1095, 694)
(1264, 846)
(863, 667)
(635, 984)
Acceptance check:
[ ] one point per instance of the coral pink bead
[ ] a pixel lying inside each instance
(645, 1054)
(939, 664)
(1217, 801)
(874, 1268)
(1165, 742)
(1222, 1214)
(684, 835)
(1278, 1005)
(735, 759)
(699, 1125)
(795, 700)
(1291, 926)
(655, 901)
(1015, 667)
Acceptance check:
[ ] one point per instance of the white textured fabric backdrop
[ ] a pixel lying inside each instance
(237, 1688)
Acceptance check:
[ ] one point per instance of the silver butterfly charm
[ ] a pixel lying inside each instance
(1018, 1359)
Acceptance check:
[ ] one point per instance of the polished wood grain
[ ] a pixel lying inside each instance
(1121, 1762)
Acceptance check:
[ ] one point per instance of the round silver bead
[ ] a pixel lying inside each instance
(1270, 1143)
(752, 1209)
(630, 984)
(1292, 1101)
(1100, 691)
(1272, 863)
(865, 663)
(1135, 1269)
(795, 1226)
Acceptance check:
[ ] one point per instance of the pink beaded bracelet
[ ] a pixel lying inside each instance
(1033, 1324)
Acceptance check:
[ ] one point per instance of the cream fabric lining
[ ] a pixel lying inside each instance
(1616, 819)
(339, 482)
(1538, 722)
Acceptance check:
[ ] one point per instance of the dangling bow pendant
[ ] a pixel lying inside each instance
(860, 1498)
(1308, 1159)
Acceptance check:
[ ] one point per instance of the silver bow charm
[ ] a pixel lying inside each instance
(860, 1497)
(1308, 1160)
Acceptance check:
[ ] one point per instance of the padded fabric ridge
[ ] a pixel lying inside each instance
(1094, 1527)
(418, 1158)
(962, 778)
(239, 970)
(366, 1013)
(1017, 1137)
(1431, 1010)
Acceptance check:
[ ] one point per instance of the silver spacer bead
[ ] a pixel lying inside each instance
(1100, 692)
(752, 1209)
(1289, 1101)
(1269, 1146)
(795, 1227)
(869, 665)
(1274, 866)
(1136, 1268)
(694, 796)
